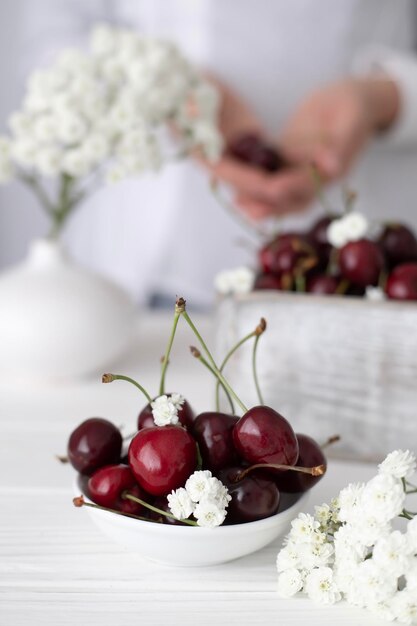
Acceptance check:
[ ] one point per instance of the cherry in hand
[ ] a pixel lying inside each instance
(94, 443)
(252, 149)
(162, 458)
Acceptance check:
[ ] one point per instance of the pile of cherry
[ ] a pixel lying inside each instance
(258, 456)
(305, 261)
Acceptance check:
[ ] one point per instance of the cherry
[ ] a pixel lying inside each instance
(322, 284)
(213, 433)
(106, 485)
(251, 149)
(162, 458)
(185, 414)
(317, 236)
(268, 281)
(310, 455)
(398, 244)
(361, 262)
(264, 436)
(253, 497)
(94, 443)
(402, 282)
(283, 254)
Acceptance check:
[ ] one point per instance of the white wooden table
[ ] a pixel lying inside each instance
(55, 567)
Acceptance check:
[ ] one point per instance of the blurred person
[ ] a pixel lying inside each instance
(333, 83)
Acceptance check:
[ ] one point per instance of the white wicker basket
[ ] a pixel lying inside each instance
(330, 365)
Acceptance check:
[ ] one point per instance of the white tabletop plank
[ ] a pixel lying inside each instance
(55, 566)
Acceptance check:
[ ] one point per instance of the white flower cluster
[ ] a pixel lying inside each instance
(165, 409)
(238, 280)
(110, 106)
(204, 496)
(349, 549)
(350, 227)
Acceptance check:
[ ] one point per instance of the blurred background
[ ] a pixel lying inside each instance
(166, 234)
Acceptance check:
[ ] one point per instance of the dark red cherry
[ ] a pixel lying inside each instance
(253, 497)
(284, 254)
(322, 284)
(213, 433)
(361, 262)
(252, 149)
(317, 235)
(402, 282)
(310, 455)
(185, 414)
(162, 458)
(94, 443)
(107, 484)
(264, 436)
(268, 281)
(398, 244)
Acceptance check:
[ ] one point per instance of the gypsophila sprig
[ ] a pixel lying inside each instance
(350, 227)
(204, 496)
(165, 409)
(349, 549)
(107, 113)
(234, 281)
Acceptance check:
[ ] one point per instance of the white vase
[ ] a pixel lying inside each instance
(59, 320)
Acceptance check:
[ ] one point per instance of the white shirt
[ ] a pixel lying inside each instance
(166, 234)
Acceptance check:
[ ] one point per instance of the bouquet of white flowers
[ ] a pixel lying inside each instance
(107, 112)
(349, 549)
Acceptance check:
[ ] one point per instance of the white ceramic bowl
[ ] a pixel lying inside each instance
(192, 546)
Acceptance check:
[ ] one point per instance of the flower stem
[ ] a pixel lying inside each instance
(197, 354)
(318, 184)
(109, 378)
(262, 328)
(165, 360)
(128, 496)
(207, 351)
(79, 502)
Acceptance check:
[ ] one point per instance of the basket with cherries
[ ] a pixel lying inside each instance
(338, 255)
(206, 470)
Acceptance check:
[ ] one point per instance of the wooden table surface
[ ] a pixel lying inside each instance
(55, 566)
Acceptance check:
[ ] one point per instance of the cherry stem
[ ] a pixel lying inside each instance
(128, 496)
(212, 362)
(225, 361)
(197, 355)
(255, 370)
(349, 199)
(330, 441)
(109, 378)
(79, 502)
(318, 184)
(317, 470)
(62, 458)
(165, 360)
(342, 287)
(300, 283)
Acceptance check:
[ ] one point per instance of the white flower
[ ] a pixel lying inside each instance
(404, 606)
(411, 573)
(355, 225)
(412, 535)
(336, 233)
(206, 137)
(103, 40)
(71, 128)
(320, 586)
(201, 484)
(180, 503)
(48, 160)
(323, 514)
(289, 557)
(239, 280)
(399, 463)
(304, 528)
(76, 162)
(383, 496)
(289, 583)
(350, 227)
(373, 584)
(208, 513)
(164, 411)
(319, 554)
(391, 554)
(350, 502)
(375, 294)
